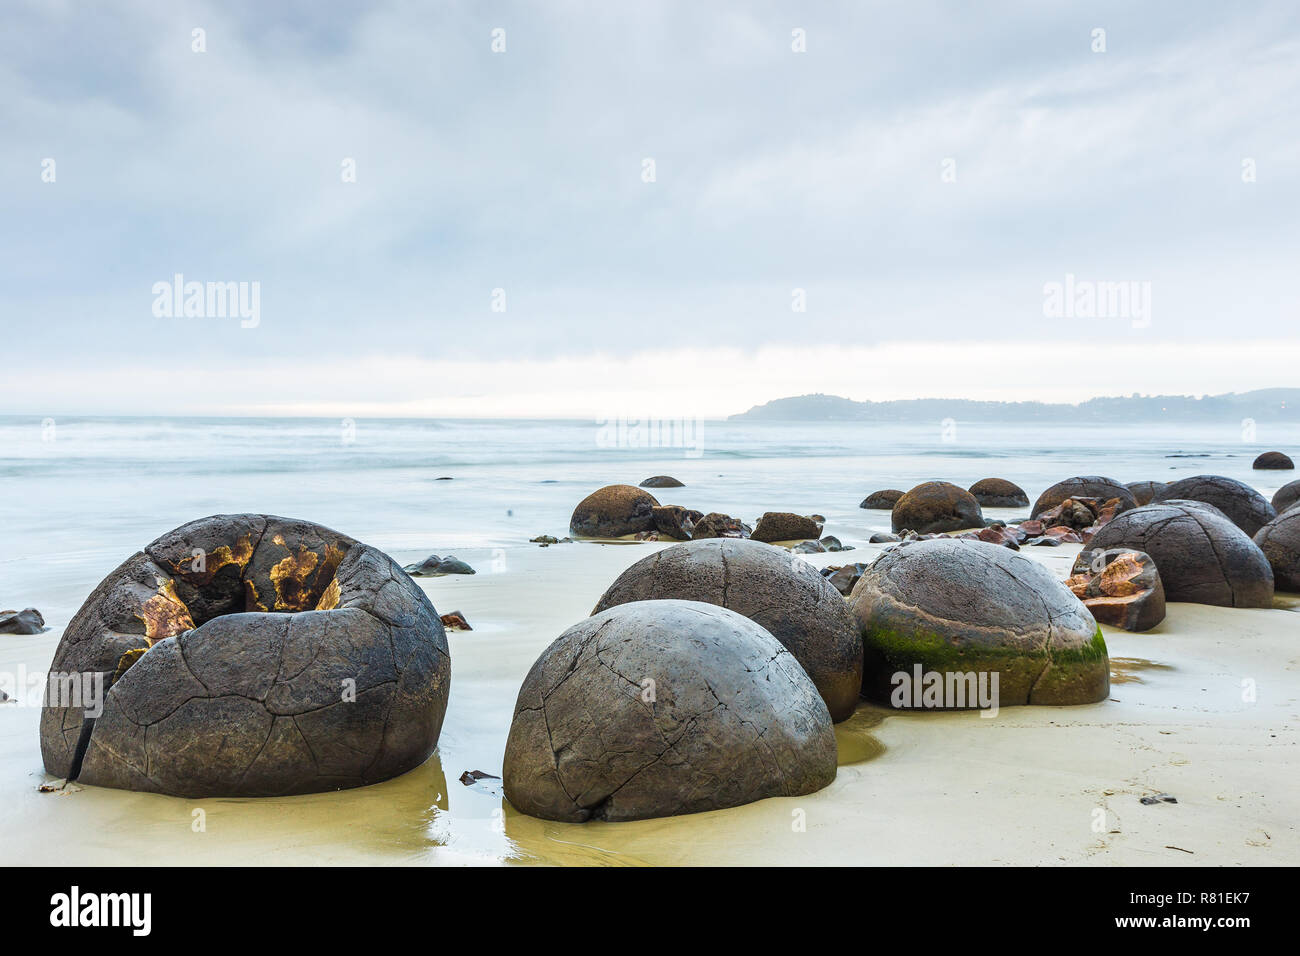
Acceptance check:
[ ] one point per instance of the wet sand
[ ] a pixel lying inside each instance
(1025, 787)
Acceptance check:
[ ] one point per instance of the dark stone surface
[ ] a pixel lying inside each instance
(27, 621)
(730, 718)
(1121, 587)
(674, 521)
(1274, 461)
(612, 512)
(1280, 542)
(283, 658)
(1145, 491)
(434, 566)
(999, 493)
(1202, 557)
(662, 481)
(1084, 486)
(936, 506)
(1244, 506)
(715, 525)
(1286, 496)
(786, 596)
(882, 500)
(784, 526)
(966, 606)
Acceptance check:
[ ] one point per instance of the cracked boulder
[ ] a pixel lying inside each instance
(1202, 556)
(614, 511)
(962, 609)
(786, 596)
(1280, 542)
(248, 655)
(658, 708)
(999, 493)
(1121, 587)
(1086, 486)
(1244, 506)
(936, 506)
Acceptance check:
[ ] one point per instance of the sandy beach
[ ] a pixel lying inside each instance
(1033, 785)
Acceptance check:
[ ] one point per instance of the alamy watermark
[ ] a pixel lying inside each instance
(947, 690)
(1089, 299)
(208, 300)
(629, 432)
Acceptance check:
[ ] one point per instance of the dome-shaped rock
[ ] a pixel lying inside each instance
(789, 598)
(882, 500)
(936, 506)
(999, 493)
(970, 609)
(1280, 542)
(613, 511)
(1144, 491)
(1085, 486)
(658, 708)
(1274, 461)
(1202, 557)
(1244, 506)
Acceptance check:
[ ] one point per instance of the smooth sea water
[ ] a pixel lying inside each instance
(81, 494)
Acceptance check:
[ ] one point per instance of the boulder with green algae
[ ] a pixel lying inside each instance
(658, 708)
(249, 655)
(960, 607)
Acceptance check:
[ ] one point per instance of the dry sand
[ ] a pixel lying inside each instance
(1034, 785)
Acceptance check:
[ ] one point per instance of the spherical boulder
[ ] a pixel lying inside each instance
(1144, 491)
(658, 708)
(1280, 542)
(935, 506)
(1085, 486)
(967, 609)
(1286, 496)
(1202, 556)
(999, 493)
(882, 500)
(612, 512)
(662, 481)
(248, 655)
(787, 597)
(784, 526)
(1273, 461)
(1244, 506)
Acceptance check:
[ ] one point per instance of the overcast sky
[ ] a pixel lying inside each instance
(921, 172)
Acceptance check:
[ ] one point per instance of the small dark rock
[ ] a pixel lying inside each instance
(26, 621)
(662, 481)
(455, 621)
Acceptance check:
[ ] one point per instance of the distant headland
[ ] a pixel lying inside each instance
(1264, 405)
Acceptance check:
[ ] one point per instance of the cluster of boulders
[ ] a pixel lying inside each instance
(247, 655)
(710, 672)
(617, 511)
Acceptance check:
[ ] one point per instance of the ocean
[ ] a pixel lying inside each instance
(82, 493)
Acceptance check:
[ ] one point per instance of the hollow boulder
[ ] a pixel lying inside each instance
(248, 655)
(1121, 587)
